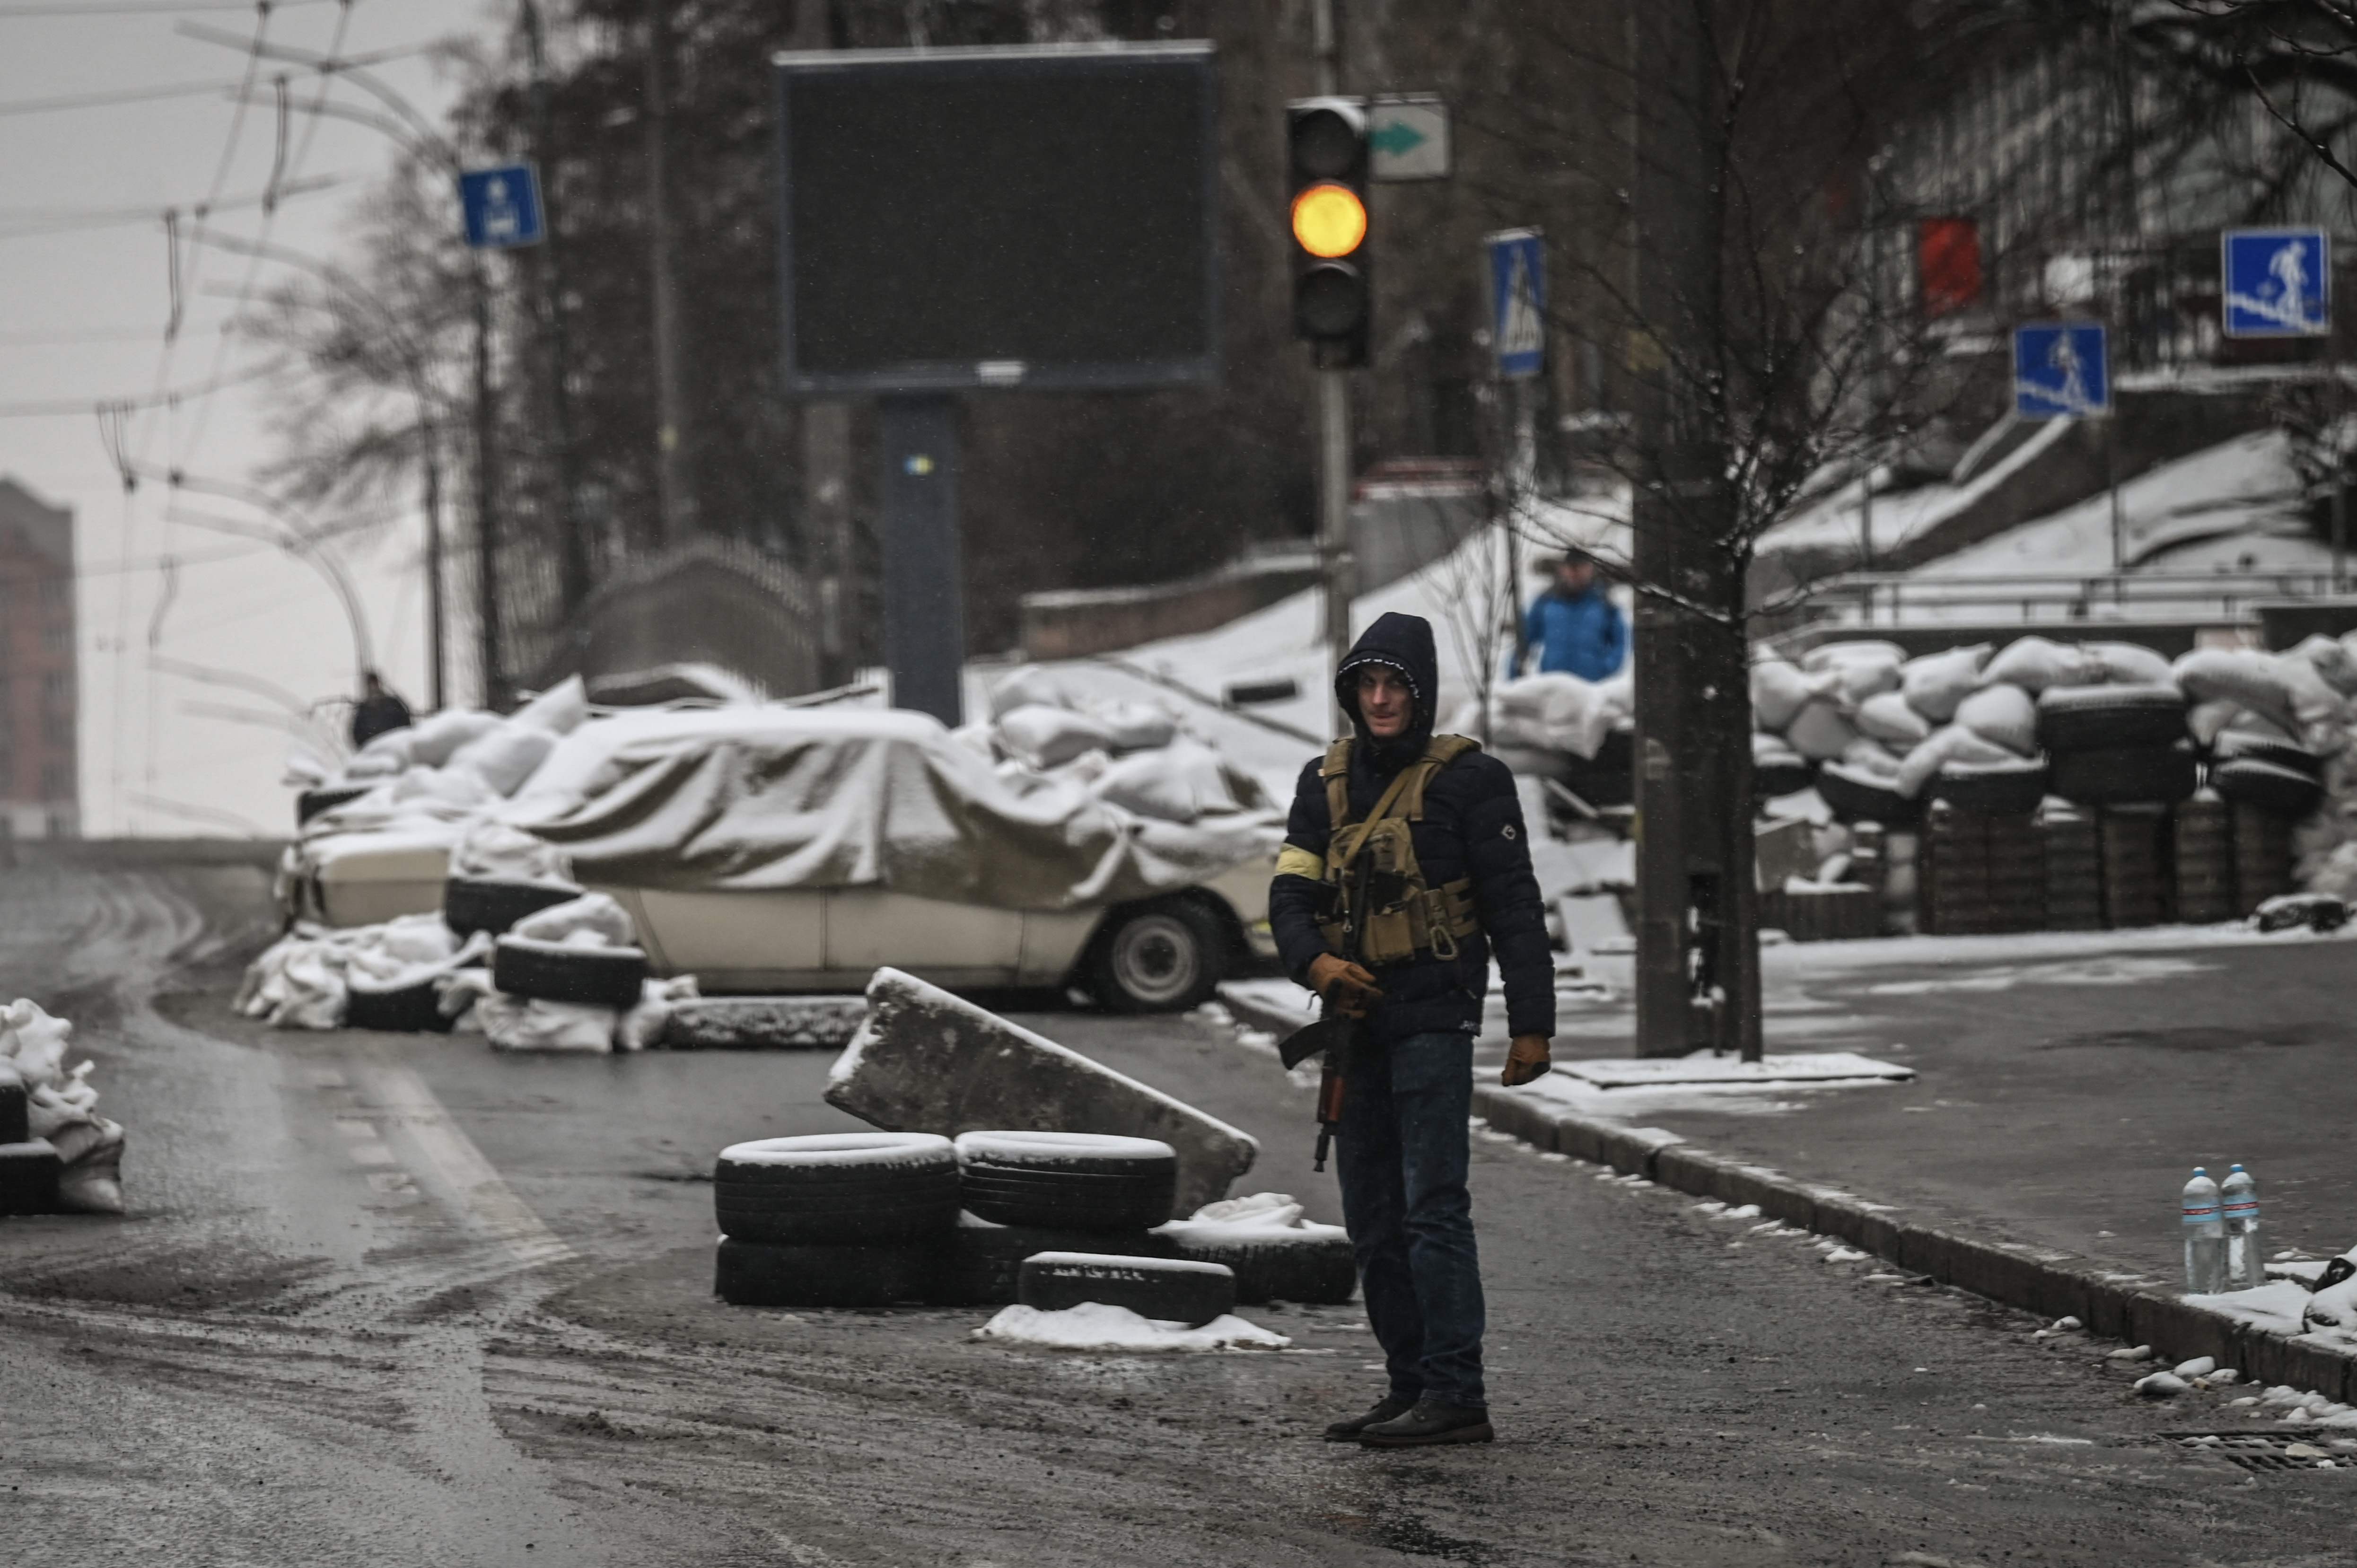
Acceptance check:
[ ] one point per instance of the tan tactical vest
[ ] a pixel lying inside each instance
(1406, 918)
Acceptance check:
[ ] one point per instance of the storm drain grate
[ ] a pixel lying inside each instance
(2269, 1450)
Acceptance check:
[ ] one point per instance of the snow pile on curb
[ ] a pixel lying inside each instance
(1094, 1326)
(1267, 1219)
(62, 1108)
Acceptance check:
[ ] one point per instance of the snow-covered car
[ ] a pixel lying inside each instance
(762, 848)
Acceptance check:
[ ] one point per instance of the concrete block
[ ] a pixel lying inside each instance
(1518, 1115)
(2177, 1332)
(926, 1061)
(765, 1023)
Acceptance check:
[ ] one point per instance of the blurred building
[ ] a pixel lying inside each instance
(40, 796)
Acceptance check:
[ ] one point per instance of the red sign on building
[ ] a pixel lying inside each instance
(1948, 265)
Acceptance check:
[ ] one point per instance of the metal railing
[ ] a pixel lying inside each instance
(1870, 598)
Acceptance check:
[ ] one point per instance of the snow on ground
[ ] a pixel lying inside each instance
(1832, 522)
(1754, 1098)
(1093, 1325)
(1706, 1068)
(2242, 487)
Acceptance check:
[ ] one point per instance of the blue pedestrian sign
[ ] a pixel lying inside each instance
(2062, 370)
(1518, 302)
(2278, 282)
(502, 206)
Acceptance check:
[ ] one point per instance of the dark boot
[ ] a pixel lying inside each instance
(1430, 1422)
(1392, 1407)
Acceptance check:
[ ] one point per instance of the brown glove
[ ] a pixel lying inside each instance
(1526, 1059)
(1351, 989)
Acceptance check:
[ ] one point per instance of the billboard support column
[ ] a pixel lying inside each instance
(924, 600)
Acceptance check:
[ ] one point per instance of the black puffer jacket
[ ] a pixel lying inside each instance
(1473, 827)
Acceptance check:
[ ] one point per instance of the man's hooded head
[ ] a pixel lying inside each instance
(1404, 644)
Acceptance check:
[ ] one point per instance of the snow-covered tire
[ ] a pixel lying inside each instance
(311, 803)
(593, 977)
(1857, 797)
(1166, 956)
(1784, 773)
(1068, 1181)
(836, 1187)
(763, 1273)
(985, 1262)
(1177, 1289)
(2102, 718)
(1992, 788)
(28, 1177)
(2271, 786)
(2125, 774)
(16, 1122)
(1312, 1266)
(402, 1009)
(471, 904)
(2234, 748)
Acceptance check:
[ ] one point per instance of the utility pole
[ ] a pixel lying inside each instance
(1697, 959)
(487, 497)
(575, 562)
(436, 654)
(1333, 414)
(671, 467)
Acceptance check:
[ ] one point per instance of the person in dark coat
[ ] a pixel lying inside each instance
(1404, 1150)
(379, 712)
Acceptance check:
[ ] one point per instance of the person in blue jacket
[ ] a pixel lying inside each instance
(1574, 627)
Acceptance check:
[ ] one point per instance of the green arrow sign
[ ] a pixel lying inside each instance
(1408, 137)
(1396, 139)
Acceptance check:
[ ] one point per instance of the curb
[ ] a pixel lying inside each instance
(2112, 1301)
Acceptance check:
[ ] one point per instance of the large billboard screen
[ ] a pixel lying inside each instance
(999, 218)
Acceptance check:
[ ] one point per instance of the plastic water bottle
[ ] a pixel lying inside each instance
(2205, 1236)
(2246, 1262)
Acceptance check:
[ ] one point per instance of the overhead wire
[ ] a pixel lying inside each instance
(28, 222)
(76, 8)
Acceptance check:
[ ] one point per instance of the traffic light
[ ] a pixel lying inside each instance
(1326, 160)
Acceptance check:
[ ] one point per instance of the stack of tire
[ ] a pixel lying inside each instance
(2072, 852)
(2269, 785)
(2202, 853)
(1979, 873)
(2138, 878)
(29, 1166)
(833, 1220)
(1026, 1193)
(2117, 746)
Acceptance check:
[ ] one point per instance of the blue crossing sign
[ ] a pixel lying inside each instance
(2062, 370)
(2278, 282)
(502, 206)
(1518, 302)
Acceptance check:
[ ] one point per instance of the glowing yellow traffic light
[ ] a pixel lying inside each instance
(1329, 221)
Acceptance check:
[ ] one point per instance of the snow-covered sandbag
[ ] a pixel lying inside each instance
(90, 1151)
(1819, 731)
(1136, 726)
(366, 765)
(1953, 743)
(1027, 685)
(1855, 679)
(2331, 661)
(1863, 651)
(2320, 709)
(1870, 756)
(34, 1043)
(1887, 717)
(444, 793)
(1558, 712)
(594, 920)
(2243, 676)
(310, 992)
(436, 738)
(2206, 721)
(491, 850)
(1936, 682)
(2034, 663)
(303, 770)
(534, 1024)
(506, 757)
(1179, 783)
(402, 952)
(644, 1024)
(1049, 737)
(396, 745)
(2004, 714)
(979, 737)
(2126, 664)
(2242, 720)
(1780, 690)
(560, 710)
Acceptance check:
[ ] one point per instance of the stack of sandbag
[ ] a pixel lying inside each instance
(318, 977)
(1129, 754)
(570, 978)
(1540, 723)
(2280, 731)
(58, 1154)
(499, 874)
(445, 767)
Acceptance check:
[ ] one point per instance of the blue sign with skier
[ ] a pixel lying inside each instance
(2062, 370)
(1518, 302)
(502, 206)
(2278, 282)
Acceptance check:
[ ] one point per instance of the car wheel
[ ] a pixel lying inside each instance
(593, 977)
(763, 1273)
(1175, 1290)
(1157, 958)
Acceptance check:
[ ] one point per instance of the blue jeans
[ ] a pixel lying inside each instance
(1402, 1161)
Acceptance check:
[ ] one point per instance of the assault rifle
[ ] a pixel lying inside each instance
(1335, 1033)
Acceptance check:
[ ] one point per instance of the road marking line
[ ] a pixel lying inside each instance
(489, 1201)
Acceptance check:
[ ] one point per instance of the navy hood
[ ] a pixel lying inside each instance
(1402, 642)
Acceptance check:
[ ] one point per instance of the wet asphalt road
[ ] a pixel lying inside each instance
(386, 1300)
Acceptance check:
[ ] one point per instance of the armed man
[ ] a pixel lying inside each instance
(1405, 865)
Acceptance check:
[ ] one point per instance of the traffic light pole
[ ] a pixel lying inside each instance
(1333, 414)
(924, 608)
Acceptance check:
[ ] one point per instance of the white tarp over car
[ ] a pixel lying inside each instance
(752, 799)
